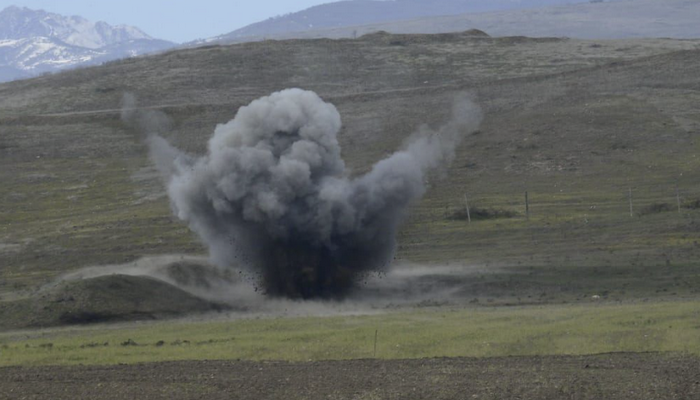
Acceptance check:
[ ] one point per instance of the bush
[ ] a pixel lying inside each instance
(656, 208)
(692, 204)
(478, 213)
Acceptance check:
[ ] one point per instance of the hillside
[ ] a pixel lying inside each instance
(605, 20)
(575, 123)
(361, 12)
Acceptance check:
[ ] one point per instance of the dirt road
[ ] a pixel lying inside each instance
(611, 376)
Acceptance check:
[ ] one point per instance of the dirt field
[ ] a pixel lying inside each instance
(610, 376)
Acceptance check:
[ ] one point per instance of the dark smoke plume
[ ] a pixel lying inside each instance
(273, 195)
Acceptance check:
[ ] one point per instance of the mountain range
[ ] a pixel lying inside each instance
(34, 42)
(610, 19)
(360, 12)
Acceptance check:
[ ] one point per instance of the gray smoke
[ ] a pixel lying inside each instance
(273, 195)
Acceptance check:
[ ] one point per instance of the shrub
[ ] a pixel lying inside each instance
(478, 213)
(692, 204)
(655, 208)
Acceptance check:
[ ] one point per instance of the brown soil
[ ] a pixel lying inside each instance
(609, 376)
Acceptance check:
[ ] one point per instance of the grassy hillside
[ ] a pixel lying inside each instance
(574, 123)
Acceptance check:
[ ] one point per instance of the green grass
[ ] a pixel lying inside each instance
(81, 213)
(74, 192)
(476, 332)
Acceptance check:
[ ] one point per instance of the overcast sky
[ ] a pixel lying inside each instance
(176, 20)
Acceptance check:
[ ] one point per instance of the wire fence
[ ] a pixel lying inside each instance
(633, 201)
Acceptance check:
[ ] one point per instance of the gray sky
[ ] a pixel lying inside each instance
(176, 20)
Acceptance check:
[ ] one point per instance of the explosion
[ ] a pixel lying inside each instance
(272, 194)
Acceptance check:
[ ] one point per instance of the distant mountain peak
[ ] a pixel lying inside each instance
(37, 41)
(20, 23)
(13, 9)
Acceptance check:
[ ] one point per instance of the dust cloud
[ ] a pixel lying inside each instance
(272, 195)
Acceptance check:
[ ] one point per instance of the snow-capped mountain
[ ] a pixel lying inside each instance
(35, 41)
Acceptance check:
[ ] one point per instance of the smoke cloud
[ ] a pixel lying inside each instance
(273, 196)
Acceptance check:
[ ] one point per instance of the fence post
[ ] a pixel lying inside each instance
(527, 206)
(630, 199)
(466, 204)
(376, 334)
